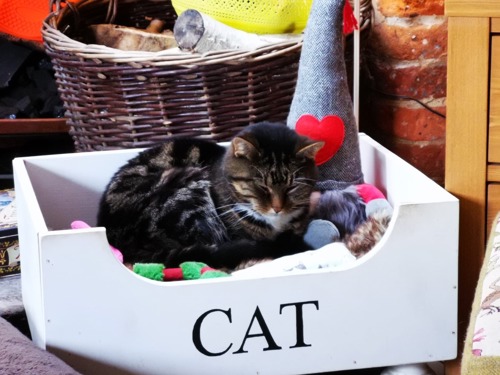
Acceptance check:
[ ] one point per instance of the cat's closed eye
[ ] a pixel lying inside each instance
(264, 188)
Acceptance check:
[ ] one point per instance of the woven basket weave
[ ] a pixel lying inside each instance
(123, 99)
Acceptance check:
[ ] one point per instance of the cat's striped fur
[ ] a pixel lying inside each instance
(195, 200)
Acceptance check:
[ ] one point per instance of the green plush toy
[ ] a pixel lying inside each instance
(186, 271)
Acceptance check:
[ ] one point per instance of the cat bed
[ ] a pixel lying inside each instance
(395, 305)
(482, 345)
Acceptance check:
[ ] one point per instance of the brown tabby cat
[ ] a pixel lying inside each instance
(195, 200)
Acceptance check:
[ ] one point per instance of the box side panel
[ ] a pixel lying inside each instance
(30, 224)
(397, 306)
(400, 181)
(68, 187)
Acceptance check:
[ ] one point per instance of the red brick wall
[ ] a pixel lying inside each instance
(405, 57)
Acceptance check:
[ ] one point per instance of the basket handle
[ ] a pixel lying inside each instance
(111, 14)
(55, 6)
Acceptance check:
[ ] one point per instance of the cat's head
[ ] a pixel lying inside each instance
(272, 169)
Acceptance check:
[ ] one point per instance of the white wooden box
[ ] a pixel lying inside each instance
(396, 305)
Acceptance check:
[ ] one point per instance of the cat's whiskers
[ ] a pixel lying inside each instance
(241, 218)
(247, 211)
(230, 211)
(226, 205)
(233, 208)
(302, 183)
(300, 179)
(297, 171)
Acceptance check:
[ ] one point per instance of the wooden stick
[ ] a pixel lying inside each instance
(132, 39)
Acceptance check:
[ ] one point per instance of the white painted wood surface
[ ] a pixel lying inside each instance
(396, 305)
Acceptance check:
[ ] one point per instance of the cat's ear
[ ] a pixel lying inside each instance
(310, 149)
(244, 149)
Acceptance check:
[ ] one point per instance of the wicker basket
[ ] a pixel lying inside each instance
(122, 99)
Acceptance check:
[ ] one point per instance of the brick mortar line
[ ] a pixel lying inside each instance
(402, 141)
(411, 104)
(405, 64)
(429, 21)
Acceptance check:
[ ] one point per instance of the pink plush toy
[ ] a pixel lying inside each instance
(78, 224)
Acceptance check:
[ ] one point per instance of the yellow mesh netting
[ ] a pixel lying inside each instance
(255, 16)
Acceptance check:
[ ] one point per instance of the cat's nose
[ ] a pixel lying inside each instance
(277, 203)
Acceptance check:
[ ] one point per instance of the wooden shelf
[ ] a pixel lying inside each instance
(473, 119)
(472, 8)
(33, 126)
(30, 137)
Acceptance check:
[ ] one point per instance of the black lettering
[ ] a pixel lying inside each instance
(197, 333)
(265, 332)
(299, 320)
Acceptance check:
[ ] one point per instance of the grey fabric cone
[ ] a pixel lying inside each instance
(322, 89)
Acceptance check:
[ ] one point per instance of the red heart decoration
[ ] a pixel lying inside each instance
(330, 130)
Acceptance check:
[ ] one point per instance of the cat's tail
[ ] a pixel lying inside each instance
(241, 253)
(232, 255)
